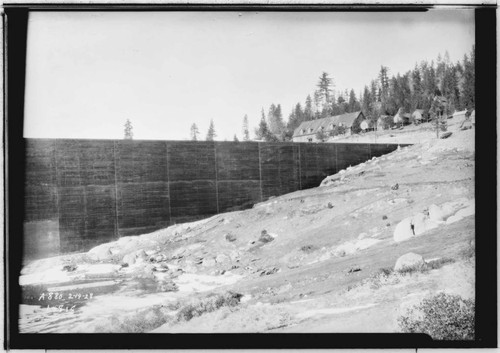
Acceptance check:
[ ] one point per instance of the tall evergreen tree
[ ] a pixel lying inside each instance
(308, 110)
(275, 120)
(342, 105)
(295, 118)
(417, 89)
(366, 102)
(211, 135)
(428, 84)
(324, 94)
(194, 132)
(246, 132)
(384, 82)
(354, 105)
(263, 130)
(468, 94)
(129, 135)
(317, 104)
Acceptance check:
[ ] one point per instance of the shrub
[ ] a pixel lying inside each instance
(386, 271)
(265, 237)
(139, 321)
(308, 248)
(443, 317)
(208, 304)
(469, 253)
(230, 237)
(321, 136)
(432, 265)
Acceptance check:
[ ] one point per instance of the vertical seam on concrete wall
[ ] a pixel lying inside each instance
(336, 159)
(56, 186)
(216, 178)
(300, 170)
(117, 232)
(260, 174)
(279, 169)
(168, 185)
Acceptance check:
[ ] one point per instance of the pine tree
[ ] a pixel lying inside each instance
(384, 82)
(235, 138)
(354, 105)
(246, 132)
(263, 130)
(324, 94)
(295, 118)
(275, 120)
(366, 102)
(317, 104)
(194, 132)
(417, 89)
(342, 106)
(428, 84)
(468, 94)
(129, 135)
(308, 110)
(211, 131)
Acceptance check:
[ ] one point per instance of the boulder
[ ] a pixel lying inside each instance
(447, 209)
(265, 237)
(403, 230)
(436, 213)
(409, 261)
(129, 259)
(421, 224)
(230, 237)
(100, 253)
(464, 212)
(134, 256)
(167, 286)
(221, 258)
(362, 236)
(234, 255)
(208, 262)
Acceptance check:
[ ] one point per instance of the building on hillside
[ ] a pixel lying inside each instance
(367, 125)
(461, 115)
(384, 122)
(307, 130)
(402, 118)
(419, 116)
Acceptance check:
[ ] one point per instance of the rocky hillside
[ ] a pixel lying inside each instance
(317, 260)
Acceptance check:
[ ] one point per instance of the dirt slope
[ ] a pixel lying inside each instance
(310, 261)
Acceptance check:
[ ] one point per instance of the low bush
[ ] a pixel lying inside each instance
(265, 237)
(308, 248)
(443, 317)
(468, 253)
(432, 265)
(138, 322)
(208, 304)
(386, 271)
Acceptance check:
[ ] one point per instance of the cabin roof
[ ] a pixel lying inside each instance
(346, 119)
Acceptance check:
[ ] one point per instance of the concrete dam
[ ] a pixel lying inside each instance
(81, 193)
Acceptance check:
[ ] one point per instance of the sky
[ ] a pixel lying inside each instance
(88, 72)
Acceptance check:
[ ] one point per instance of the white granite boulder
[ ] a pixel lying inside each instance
(409, 261)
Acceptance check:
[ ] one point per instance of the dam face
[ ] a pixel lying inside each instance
(81, 193)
